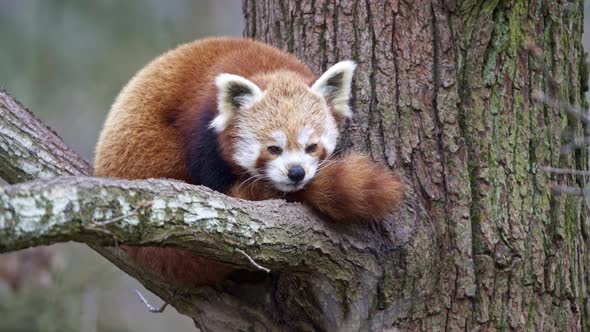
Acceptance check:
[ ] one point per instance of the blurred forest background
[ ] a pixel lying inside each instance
(66, 60)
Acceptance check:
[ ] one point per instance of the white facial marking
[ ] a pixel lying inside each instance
(330, 136)
(247, 150)
(304, 137)
(280, 138)
(277, 170)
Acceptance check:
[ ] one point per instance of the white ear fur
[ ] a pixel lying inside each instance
(233, 92)
(335, 86)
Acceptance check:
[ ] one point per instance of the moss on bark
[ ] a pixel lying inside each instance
(444, 92)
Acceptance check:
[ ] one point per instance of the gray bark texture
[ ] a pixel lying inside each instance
(443, 94)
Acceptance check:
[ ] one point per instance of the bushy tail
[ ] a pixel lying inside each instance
(354, 187)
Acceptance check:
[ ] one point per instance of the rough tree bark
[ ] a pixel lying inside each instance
(444, 93)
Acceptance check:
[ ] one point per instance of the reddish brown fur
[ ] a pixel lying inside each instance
(143, 138)
(181, 266)
(252, 190)
(354, 187)
(169, 88)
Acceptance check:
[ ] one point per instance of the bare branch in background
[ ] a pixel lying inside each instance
(569, 190)
(576, 143)
(582, 115)
(539, 96)
(537, 53)
(566, 171)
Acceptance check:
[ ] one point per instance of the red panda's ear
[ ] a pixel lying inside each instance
(335, 86)
(233, 93)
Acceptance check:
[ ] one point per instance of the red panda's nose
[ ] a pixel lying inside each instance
(296, 173)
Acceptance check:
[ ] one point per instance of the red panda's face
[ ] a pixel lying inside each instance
(288, 153)
(284, 133)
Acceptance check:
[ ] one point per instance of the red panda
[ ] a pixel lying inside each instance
(248, 120)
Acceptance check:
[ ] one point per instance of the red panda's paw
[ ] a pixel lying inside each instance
(252, 190)
(354, 187)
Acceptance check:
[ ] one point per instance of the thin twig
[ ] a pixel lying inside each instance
(131, 213)
(575, 111)
(566, 171)
(576, 143)
(537, 53)
(258, 266)
(149, 306)
(557, 189)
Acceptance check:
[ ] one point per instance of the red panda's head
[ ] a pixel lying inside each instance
(281, 128)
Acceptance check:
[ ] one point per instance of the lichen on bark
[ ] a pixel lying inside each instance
(444, 92)
(444, 95)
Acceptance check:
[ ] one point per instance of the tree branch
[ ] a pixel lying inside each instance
(71, 209)
(274, 233)
(29, 149)
(310, 259)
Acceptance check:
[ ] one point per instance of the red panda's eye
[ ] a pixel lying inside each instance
(311, 148)
(275, 149)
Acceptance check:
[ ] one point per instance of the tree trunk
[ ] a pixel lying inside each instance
(444, 94)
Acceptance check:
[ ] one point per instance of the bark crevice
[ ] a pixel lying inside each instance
(443, 93)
